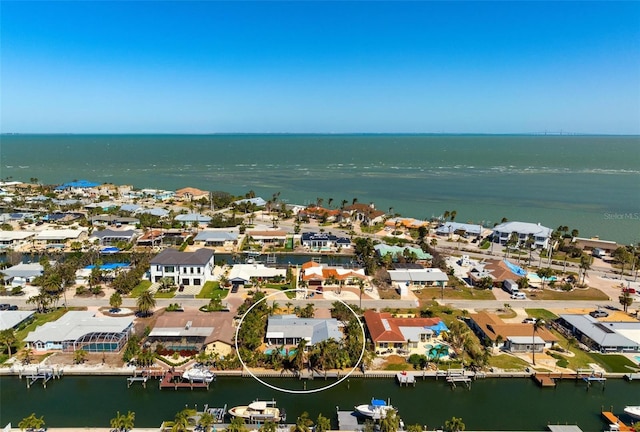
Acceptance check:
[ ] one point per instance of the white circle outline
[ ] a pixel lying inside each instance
(273, 387)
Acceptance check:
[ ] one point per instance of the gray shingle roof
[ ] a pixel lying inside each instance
(175, 257)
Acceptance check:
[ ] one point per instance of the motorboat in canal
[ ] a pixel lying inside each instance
(198, 374)
(377, 409)
(258, 411)
(633, 412)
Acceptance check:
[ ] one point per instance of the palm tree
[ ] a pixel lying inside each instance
(390, 422)
(298, 359)
(454, 425)
(303, 423)
(625, 299)
(79, 356)
(181, 421)
(537, 325)
(206, 420)
(361, 285)
(8, 338)
(237, 425)
(31, 422)
(585, 264)
(146, 303)
(288, 305)
(123, 422)
(115, 301)
(323, 424)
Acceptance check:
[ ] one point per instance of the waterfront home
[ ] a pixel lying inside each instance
(462, 229)
(77, 187)
(22, 274)
(15, 239)
(102, 205)
(323, 241)
(243, 274)
(589, 244)
(408, 223)
(157, 194)
(514, 337)
(153, 211)
(12, 319)
(315, 274)
(523, 230)
(418, 278)
(366, 214)
(184, 268)
(150, 238)
(290, 330)
(109, 237)
(183, 330)
(191, 194)
(257, 202)
(224, 238)
(317, 212)
(52, 238)
(603, 336)
(267, 238)
(81, 330)
(404, 334)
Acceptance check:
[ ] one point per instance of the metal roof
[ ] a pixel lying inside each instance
(75, 324)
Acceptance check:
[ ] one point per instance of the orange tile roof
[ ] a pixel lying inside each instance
(392, 333)
(492, 326)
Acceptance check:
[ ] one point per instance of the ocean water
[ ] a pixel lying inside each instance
(590, 183)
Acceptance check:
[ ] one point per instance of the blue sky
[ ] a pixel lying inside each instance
(330, 67)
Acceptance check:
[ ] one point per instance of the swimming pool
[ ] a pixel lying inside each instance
(437, 351)
(108, 266)
(283, 351)
(637, 358)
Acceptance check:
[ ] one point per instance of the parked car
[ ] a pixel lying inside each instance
(629, 290)
(529, 320)
(4, 306)
(599, 313)
(518, 296)
(13, 307)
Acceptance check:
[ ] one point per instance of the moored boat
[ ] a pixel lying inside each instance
(633, 412)
(377, 409)
(199, 374)
(258, 411)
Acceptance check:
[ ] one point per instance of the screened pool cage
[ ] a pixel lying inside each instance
(98, 342)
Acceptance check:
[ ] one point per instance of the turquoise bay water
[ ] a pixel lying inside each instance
(586, 182)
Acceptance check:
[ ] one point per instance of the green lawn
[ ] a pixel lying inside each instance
(615, 363)
(459, 293)
(509, 362)
(142, 286)
(165, 294)
(578, 294)
(212, 290)
(541, 313)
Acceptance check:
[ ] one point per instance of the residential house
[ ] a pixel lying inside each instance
(267, 238)
(320, 213)
(589, 244)
(323, 241)
(15, 239)
(417, 278)
(22, 274)
(290, 330)
(184, 330)
(224, 238)
(52, 238)
(108, 237)
(13, 319)
(243, 274)
(397, 252)
(193, 218)
(191, 194)
(84, 330)
(497, 270)
(523, 230)
(151, 238)
(514, 337)
(461, 229)
(365, 213)
(315, 274)
(603, 336)
(406, 334)
(185, 268)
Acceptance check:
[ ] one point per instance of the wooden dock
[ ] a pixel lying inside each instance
(550, 379)
(174, 380)
(406, 379)
(613, 420)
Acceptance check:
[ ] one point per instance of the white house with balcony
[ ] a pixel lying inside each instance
(523, 230)
(185, 268)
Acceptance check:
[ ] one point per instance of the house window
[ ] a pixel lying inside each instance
(196, 282)
(191, 270)
(198, 270)
(169, 269)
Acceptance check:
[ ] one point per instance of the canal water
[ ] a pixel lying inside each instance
(490, 404)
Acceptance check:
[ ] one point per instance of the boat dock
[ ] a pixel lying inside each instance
(613, 420)
(143, 375)
(406, 379)
(348, 421)
(632, 376)
(217, 413)
(173, 379)
(551, 379)
(44, 374)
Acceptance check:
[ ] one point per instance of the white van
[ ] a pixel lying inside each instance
(518, 296)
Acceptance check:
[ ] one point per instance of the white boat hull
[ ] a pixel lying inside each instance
(257, 411)
(375, 413)
(633, 412)
(198, 375)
